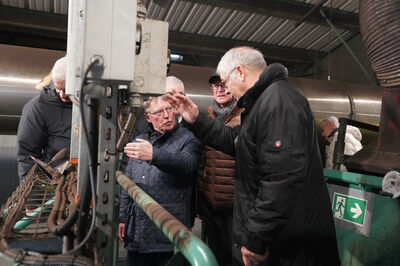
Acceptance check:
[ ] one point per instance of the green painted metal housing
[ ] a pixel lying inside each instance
(192, 248)
(382, 245)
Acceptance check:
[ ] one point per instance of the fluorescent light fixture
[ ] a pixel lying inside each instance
(19, 80)
(176, 57)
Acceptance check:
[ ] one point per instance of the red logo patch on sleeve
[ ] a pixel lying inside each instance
(278, 143)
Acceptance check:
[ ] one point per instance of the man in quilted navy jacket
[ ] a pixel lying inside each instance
(163, 162)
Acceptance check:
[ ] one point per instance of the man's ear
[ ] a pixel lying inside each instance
(147, 117)
(241, 72)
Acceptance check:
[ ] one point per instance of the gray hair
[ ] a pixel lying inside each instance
(58, 73)
(246, 56)
(330, 119)
(172, 81)
(146, 104)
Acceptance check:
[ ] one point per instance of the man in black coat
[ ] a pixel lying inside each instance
(282, 212)
(45, 125)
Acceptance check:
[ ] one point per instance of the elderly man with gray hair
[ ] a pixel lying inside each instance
(163, 161)
(352, 144)
(45, 125)
(281, 212)
(142, 124)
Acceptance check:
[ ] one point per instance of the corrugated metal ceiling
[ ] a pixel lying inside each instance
(204, 19)
(238, 25)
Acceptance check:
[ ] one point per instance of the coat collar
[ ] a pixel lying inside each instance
(153, 135)
(271, 74)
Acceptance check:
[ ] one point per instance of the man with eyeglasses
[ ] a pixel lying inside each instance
(45, 125)
(218, 179)
(282, 212)
(164, 162)
(142, 124)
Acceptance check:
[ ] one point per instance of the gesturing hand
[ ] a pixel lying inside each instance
(184, 106)
(121, 231)
(249, 256)
(140, 149)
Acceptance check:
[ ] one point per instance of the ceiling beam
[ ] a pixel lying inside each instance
(38, 23)
(293, 10)
(43, 30)
(213, 46)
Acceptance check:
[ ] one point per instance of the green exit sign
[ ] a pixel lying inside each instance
(349, 208)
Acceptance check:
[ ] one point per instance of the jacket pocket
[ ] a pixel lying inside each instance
(275, 156)
(241, 212)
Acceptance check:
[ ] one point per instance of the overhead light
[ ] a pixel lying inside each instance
(176, 57)
(19, 80)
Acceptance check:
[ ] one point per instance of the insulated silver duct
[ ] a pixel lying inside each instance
(21, 68)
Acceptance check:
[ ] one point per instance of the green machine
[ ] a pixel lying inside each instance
(367, 222)
(367, 217)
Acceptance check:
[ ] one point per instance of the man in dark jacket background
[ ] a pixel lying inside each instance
(218, 179)
(282, 212)
(45, 125)
(164, 162)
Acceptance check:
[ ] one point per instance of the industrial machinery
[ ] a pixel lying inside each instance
(68, 215)
(111, 71)
(365, 205)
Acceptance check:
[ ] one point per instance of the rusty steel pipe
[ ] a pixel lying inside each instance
(194, 250)
(51, 223)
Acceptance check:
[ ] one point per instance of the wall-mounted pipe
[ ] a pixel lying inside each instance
(361, 102)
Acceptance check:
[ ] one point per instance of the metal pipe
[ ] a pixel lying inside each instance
(194, 250)
(347, 47)
(320, 4)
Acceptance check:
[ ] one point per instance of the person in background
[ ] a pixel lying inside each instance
(352, 141)
(282, 212)
(164, 163)
(45, 125)
(219, 178)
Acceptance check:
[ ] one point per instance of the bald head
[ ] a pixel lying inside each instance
(173, 82)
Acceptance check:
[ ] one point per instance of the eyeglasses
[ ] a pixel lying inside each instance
(225, 81)
(216, 86)
(160, 113)
(59, 89)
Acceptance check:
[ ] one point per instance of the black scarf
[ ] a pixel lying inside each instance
(222, 112)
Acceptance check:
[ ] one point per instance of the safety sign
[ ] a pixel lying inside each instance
(352, 209)
(349, 208)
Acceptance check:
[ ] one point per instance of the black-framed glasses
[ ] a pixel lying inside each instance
(160, 113)
(225, 81)
(216, 86)
(59, 89)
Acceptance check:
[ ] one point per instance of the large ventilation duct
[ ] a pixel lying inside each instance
(380, 30)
